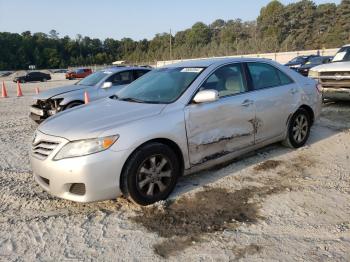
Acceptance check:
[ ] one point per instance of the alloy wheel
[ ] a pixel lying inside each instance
(300, 128)
(154, 175)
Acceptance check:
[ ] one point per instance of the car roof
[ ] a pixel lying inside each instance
(213, 61)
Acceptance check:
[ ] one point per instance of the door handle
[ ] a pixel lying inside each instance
(247, 103)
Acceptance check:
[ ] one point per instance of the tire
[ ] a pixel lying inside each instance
(73, 104)
(44, 80)
(136, 185)
(298, 129)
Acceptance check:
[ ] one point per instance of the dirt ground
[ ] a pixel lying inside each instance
(276, 204)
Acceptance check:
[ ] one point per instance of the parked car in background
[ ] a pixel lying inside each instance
(173, 121)
(6, 73)
(299, 61)
(99, 85)
(32, 76)
(78, 73)
(335, 76)
(315, 61)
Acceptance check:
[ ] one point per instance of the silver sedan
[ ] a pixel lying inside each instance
(173, 121)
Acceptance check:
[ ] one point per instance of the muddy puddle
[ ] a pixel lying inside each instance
(189, 219)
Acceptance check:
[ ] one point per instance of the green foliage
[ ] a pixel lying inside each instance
(296, 26)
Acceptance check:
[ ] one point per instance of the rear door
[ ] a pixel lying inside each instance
(221, 127)
(275, 95)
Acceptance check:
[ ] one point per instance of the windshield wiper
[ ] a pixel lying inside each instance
(130, 99)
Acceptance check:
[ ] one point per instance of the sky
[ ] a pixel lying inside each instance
(137, 19)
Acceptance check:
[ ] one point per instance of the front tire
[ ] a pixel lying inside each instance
(73, 104)
(150, 174)
(298, 130)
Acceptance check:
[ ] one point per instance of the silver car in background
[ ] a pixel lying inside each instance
(100, 84)
(174, 120)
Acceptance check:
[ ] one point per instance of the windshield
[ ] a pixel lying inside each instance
(93, 79)
(162, 86)
(342, 55)
(298, 59)
(316, 60)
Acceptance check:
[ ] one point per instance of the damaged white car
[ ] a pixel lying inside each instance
(173, 121)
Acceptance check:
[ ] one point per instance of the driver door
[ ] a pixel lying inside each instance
(226, 125)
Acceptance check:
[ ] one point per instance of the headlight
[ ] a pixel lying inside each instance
(314, 74)
(85, 147)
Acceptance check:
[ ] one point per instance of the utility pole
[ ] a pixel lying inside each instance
(170, 47)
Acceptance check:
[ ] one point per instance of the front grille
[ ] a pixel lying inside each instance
(335, 73)
(42, 149)
(335, 79)
(77, 189)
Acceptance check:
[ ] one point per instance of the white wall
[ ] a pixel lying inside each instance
(282, 57)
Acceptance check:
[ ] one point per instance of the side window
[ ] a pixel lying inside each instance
(265, 76)
(122, 78)
(285, 80)
(139, 73)
(227, 80)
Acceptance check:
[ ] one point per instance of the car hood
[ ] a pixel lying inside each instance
(58, 91)
(90, 121)
(333, 67)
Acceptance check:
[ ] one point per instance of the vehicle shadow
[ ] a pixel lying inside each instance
(232, 168)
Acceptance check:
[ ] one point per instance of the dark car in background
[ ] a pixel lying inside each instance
(315, 61)
(78, 73)
(299, 61)
(31, 77)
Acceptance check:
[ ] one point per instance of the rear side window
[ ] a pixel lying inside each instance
(265, 76)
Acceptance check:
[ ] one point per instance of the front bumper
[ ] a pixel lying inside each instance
(96, 176)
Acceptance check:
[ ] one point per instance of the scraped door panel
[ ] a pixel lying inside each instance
(218, 128)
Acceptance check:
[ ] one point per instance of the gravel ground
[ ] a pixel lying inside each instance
(276, 204)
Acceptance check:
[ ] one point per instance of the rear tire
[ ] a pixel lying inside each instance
(298, 129)
(150, 174)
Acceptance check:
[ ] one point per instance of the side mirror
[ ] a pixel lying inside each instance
(107, 85)
(206, 96)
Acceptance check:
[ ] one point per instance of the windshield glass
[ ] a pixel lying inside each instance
(94, 78)
(298, 59)
(342, 55)
(315, 60)
(162, 86)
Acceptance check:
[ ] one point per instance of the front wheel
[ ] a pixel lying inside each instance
(150, 174)
(73, 104)
(298, 130)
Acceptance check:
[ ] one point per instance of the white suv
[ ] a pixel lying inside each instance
(335, 76)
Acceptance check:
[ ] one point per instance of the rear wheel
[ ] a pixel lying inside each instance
(44, 79)
(150, 174)
(299, 129)
(74, 104)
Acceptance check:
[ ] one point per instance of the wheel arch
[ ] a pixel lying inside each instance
(73, 101)
(310, 112)
(165, 141)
